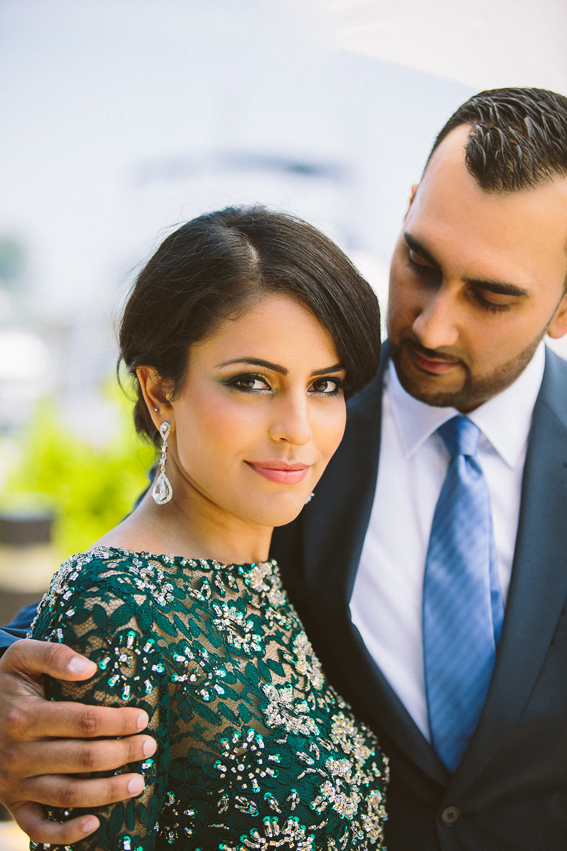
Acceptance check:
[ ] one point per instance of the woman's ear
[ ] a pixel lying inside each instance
(154, 390)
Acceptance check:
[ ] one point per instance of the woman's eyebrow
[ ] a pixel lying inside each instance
(256, 362)
(275, 367)
(336, 367)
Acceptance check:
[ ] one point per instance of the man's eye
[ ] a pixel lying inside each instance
(488, 303)
(327, 386)
(249, 383)
(418, 263)
(417, 258)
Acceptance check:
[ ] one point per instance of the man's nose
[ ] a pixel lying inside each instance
(291, 423)
(436, 324)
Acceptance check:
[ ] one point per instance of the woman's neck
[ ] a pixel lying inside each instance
(193, 527)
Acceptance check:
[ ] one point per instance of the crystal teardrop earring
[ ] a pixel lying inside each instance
(162, 490)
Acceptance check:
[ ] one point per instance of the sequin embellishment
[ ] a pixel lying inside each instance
(255, 749)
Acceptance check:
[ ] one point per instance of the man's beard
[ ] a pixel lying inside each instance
(475, 390)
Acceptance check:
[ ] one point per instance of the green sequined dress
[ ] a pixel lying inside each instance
(256, 751)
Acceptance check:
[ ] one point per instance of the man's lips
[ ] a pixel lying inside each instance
(433, 365)
(278, 471)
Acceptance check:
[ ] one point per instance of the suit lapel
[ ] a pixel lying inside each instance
(334, 523)
(379, 705)
(334, 527)
(539, 576)
(333, 530)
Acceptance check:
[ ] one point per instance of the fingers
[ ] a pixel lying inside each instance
(58, 790)
(29, 659)
(37, 718)
(76, 756)
(31, 818)
(25, 715)
(65, 792)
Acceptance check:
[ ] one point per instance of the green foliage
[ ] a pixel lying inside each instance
(89, 489)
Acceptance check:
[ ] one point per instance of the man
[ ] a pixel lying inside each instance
(430, 569)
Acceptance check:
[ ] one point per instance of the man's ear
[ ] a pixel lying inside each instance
(412, 196)
(558, 327)
(155, 392)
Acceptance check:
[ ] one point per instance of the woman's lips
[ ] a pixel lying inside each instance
(439, 367)
(276, 471)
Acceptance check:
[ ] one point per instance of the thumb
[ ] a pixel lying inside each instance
(30, 659)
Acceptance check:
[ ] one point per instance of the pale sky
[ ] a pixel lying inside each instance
(97, 95)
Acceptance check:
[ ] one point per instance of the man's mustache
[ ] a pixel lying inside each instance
(432, 354)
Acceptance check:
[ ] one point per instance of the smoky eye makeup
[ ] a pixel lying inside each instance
(247, 382)
(337, 384)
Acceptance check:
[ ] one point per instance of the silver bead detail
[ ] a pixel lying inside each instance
(162, 490)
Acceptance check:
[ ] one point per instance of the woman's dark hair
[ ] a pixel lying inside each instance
(215, 266)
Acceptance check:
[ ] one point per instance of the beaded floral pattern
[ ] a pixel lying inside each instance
(255, 749)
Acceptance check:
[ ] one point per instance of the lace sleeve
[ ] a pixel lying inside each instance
(110, 621)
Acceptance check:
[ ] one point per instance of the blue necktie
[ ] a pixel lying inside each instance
(462, 602)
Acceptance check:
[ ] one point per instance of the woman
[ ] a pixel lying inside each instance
(245, 332)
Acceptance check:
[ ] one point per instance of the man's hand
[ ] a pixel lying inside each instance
(41, 741)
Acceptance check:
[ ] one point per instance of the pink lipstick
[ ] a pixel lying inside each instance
(277, 471)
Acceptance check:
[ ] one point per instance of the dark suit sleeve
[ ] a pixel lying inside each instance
(18, 626)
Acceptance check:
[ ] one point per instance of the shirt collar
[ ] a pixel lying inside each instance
(504, 420)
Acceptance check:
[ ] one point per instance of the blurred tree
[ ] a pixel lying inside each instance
(89, 489)
(12, 261)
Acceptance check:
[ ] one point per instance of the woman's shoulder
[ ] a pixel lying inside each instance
(105, 567)
(105, 577)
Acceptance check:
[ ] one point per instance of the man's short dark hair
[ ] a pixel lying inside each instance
(518, 137)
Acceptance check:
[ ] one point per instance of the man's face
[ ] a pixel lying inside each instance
(477, 279)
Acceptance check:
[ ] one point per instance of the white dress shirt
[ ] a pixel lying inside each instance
(386, 603)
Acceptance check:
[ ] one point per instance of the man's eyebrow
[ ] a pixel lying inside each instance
(275, 367)
(420, 249)
(499, 287)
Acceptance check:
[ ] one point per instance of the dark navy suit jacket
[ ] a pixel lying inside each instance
(510, 789)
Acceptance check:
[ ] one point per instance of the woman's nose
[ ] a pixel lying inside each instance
(292, 421)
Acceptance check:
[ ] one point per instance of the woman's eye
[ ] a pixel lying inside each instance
(249, 383)
(327, 386)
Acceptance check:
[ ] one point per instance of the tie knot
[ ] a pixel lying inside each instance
(461, 436)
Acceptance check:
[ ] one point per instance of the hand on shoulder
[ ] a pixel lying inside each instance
(41, 741)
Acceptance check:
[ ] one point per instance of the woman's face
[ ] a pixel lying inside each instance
(260, 413)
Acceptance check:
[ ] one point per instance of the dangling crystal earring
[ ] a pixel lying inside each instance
(162, 490)
(309, 498)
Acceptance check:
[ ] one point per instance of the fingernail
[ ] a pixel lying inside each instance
(142, 721)
(90, 824)
(79, 664)
(149, 747)
(136, 785)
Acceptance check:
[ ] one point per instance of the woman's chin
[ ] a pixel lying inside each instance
(278, 512)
